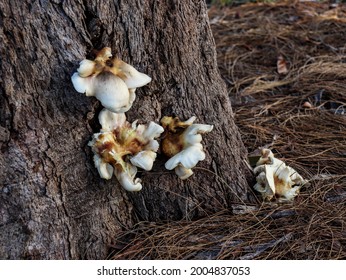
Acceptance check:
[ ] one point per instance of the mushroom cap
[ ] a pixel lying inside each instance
(290, 194)
(112, 81)
(89, 67)
(86, 68)
(112, 92)
(275, 177)
(144, 160)
(267, 157)
(105, 169)
(264, 186)
(152, 131)
(269, 172)
(259, 169)
(284, 174)
(152, 145)
(82, 85)
(129, 74)
(188, 157)
(261, 182)
(126, 178)
(173, 124)
(198, 129)
(192, 134)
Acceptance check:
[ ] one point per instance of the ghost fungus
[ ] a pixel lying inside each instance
(112, 81)
(182, 144)
(275, 178)
(121, 147)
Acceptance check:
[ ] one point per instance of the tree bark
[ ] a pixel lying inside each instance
(53, 204)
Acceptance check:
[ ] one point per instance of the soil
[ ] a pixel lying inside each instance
(285, 67)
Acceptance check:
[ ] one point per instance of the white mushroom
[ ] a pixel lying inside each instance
(152, 131)
(129, 74)
(127, 178)
(80, 84)
(105, 169)
(86, 68)
(112, 81)
(182, 144)
(188, 157)
(122, 146)
(182, 172)
(109, 89)
(110, 121)
(265, 183)
(144, 160)
(275, 178)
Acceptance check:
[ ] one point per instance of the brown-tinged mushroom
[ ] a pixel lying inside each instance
(182, 144)
(121, 147)
(112, 81)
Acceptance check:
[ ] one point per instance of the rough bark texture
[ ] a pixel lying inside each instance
(53, 205)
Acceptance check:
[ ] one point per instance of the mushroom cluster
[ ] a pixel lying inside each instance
(182, 144)
(121, 147)
(275, 178)
(112, 81)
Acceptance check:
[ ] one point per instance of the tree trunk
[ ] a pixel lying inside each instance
(53, 204)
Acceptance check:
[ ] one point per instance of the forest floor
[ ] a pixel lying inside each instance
(285, 68)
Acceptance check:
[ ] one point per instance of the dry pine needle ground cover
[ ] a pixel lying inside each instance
(285, 67)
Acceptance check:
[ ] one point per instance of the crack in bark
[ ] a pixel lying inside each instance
(66, 222)
(94, 26)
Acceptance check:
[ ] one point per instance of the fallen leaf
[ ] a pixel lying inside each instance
(307, 105)
(282, 65)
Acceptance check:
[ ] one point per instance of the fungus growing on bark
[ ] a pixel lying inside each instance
(112, 81)
(121, 147)
(182, 144)
(275, 178)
